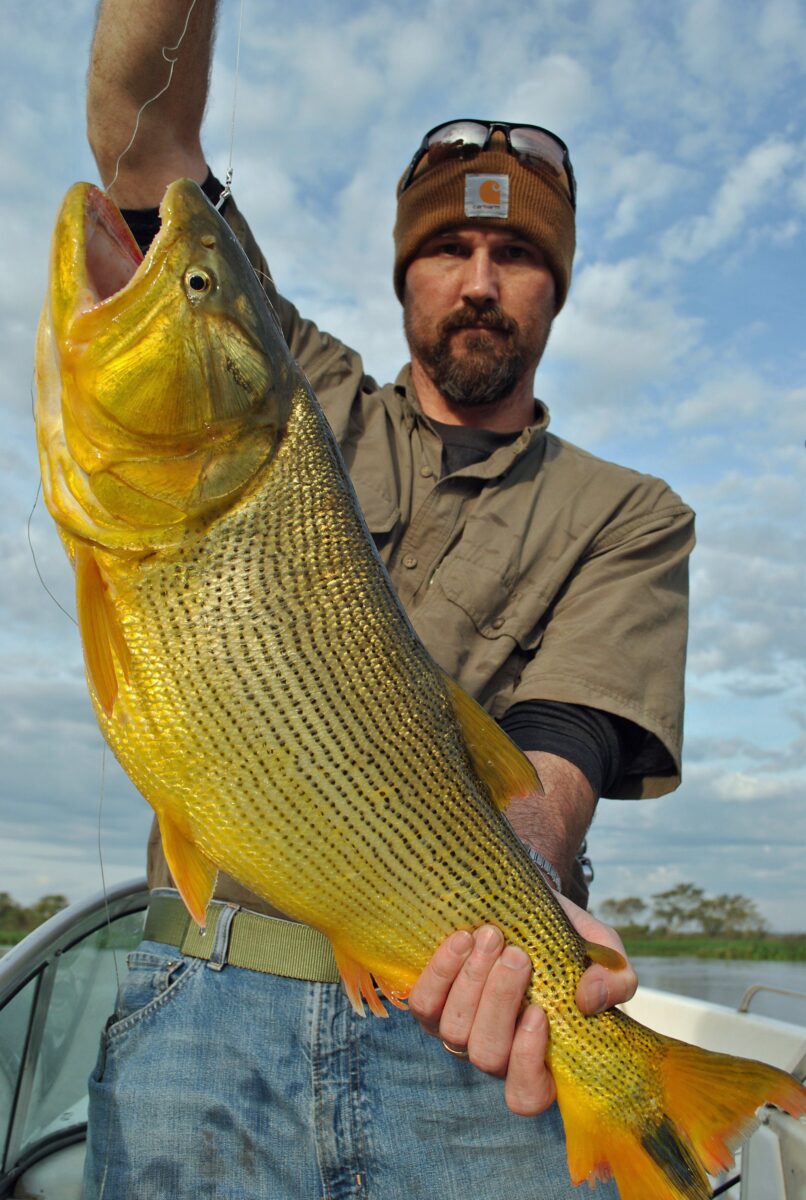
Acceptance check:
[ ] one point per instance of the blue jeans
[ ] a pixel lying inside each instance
(243, 1086)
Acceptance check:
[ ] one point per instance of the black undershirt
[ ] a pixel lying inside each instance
(594, 741)
(463, 446)
(145, 222)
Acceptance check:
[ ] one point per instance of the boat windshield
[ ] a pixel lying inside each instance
(55, 1004)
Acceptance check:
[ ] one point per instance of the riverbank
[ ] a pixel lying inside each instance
(780, 948)
(726, 982)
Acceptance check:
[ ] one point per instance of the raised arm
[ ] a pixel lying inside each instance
(127, 68)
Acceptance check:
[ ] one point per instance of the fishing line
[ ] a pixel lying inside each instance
(101, 792)
(228, 180)
(36, 564)
(166, 51)
(69, 615)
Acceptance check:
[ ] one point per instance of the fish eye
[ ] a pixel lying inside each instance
(198, 283)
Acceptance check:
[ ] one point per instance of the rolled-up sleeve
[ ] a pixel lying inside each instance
(615, 636)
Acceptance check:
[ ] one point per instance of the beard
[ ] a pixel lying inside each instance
(489, 365)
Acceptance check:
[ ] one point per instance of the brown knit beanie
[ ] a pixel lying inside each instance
(491, 188)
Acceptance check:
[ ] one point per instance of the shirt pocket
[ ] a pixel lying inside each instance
(380, 512)
(487, 627)
(482, 575)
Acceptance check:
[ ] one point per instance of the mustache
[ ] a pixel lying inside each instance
(467, 317)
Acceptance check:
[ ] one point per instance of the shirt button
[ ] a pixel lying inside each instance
(426, 472)
(498, 623)
(410, 561)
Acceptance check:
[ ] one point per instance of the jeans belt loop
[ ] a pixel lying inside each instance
(221, 937)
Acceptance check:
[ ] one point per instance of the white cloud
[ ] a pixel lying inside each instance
(749, 186)
(639, 182)
(734, 398)
(739, 787)
(559, 94)
(621, 337)
(762, 42)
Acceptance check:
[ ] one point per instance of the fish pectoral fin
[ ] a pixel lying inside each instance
(605, 956)
(496, 759)
(359, 985)
(105, 649)
(192, 872)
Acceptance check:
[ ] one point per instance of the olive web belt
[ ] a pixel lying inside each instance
(256, 941)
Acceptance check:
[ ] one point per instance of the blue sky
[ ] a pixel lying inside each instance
(680, 352)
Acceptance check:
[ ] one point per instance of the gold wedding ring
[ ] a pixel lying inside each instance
(454, 1051)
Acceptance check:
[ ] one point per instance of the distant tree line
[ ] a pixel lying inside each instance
(17, 920)
(685, 908)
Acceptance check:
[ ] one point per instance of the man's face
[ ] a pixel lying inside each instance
(477, 310)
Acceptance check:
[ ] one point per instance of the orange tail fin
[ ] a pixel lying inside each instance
(708, 1106)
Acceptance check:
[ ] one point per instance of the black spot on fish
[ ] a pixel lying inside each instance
(664, 1146)
(237, 374)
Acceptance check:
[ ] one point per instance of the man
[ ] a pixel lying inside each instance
(550, 584)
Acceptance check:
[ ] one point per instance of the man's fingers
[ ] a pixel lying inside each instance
(529, 1088)
(462, 1003)
(599, 988)
(490, 1040)
(431, 990)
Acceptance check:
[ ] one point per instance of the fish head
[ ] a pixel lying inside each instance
(164, 382)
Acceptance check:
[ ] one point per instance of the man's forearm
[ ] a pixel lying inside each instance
(127, 68)
(555, 823)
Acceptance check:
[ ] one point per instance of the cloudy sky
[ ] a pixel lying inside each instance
(680, 353)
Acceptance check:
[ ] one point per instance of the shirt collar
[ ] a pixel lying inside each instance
(501, 459)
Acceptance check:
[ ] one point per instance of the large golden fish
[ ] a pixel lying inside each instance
(254, 672)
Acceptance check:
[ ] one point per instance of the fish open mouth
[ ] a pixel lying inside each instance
(111, 254)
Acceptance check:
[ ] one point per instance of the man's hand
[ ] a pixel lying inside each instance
(471, 997)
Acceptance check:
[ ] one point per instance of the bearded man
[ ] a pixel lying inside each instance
(550, 584)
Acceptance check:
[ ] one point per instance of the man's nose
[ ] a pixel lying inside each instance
(480, 284)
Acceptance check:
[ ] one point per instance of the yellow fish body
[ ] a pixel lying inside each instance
(257, 677)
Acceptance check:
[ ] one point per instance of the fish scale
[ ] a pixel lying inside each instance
(203, 648)
(258, 679)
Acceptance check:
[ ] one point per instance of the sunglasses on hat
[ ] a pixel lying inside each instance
(536, 148)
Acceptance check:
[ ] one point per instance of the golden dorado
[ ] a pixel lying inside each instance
(253, 670)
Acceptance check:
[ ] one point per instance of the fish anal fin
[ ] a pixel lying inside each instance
(192, 872)
(359, 985)
(498, 762)
(393, 993)
(605, 956)
(105, 648)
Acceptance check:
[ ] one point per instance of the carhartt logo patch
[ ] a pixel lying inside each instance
(487, 196)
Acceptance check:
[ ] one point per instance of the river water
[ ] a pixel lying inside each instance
(724, 981)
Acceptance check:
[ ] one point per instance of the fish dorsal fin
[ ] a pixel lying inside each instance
(193, 873)
(606, 956)
(101, 634)
(498, 762)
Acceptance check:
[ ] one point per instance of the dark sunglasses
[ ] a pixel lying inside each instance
(536, 148)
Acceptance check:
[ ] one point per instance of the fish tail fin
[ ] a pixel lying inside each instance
(708, 1105)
